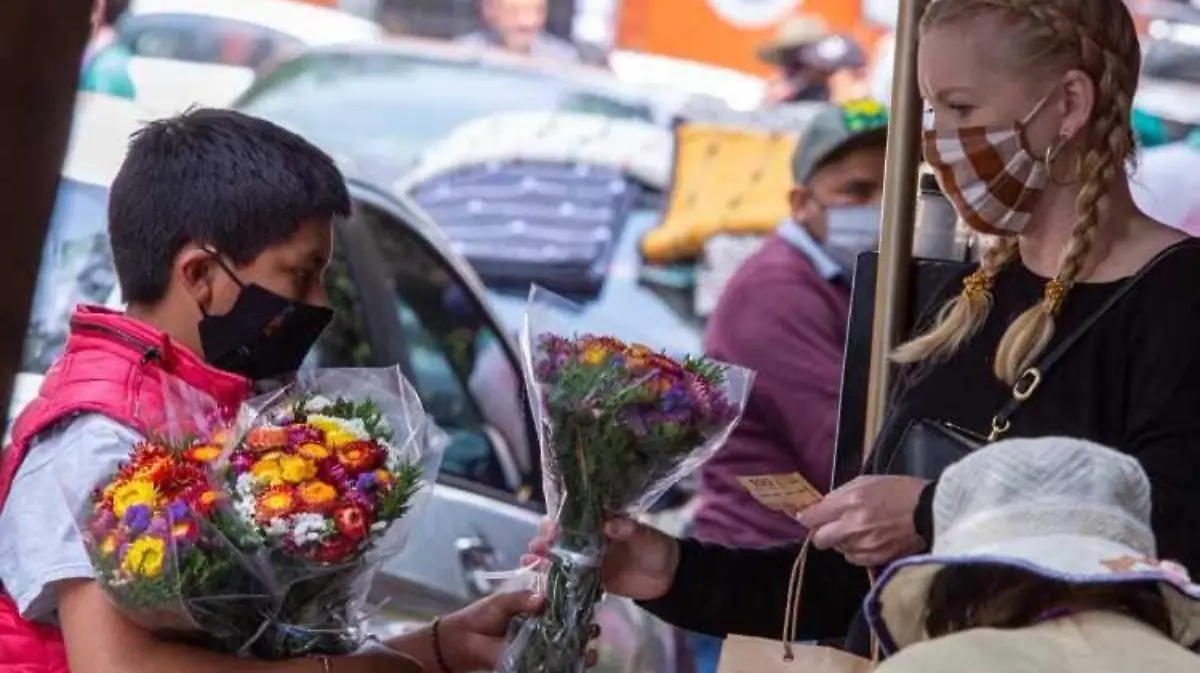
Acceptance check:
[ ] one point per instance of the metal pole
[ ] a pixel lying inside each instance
(899, 215)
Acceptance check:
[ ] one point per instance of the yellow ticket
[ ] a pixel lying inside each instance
(787, 493)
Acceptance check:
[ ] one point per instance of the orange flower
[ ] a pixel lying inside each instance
(156, 470)
(277, 501)
(267, 438)
(221, 437)
(384, 477)
(202, 454)
(317, 494)
(313, 451)
(358, 457)
(206, 501)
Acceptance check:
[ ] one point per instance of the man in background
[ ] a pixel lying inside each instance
(519, 26)
(809, 60)
(106, 61)
(783, 314)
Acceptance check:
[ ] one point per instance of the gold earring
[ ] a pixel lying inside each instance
(1052, 151)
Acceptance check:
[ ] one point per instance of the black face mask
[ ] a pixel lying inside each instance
(264, 335)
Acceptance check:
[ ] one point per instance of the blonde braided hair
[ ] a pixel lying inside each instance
(1098, 38)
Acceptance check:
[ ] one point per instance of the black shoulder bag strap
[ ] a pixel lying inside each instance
(1030, 379)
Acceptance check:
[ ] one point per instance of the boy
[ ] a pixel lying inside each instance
(221, 229)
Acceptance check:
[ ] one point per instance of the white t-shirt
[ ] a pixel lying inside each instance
(40, 542)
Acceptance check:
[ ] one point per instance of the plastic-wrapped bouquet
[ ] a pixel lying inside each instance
(162, 551)
(618, 425)
(262, 535)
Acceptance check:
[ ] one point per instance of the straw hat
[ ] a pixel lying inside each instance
(1064, 509)
(796, 32)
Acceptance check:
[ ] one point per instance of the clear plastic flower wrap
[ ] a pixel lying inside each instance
(258, 531)
(618, 424)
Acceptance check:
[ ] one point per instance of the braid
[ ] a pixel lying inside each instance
(1063, 31)
(961, 317)
(1107, 145)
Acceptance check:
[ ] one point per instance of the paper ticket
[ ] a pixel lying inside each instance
(786, 493)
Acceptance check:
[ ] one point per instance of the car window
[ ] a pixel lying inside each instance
(452, 351)
(391, 107)
(76, 268)
(206, 39)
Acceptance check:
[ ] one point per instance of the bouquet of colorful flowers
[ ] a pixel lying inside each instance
(618, 425)
(262, 535)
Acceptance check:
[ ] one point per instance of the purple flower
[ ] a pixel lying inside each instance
(366, 482)
(137, 518)
(305, 435)
(676, 399)
(178, 510)
(159, 526)
(242, 463)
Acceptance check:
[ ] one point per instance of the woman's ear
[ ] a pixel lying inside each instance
(1078, 102)
(194, 271)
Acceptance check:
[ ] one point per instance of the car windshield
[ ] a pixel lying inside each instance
(386, 108)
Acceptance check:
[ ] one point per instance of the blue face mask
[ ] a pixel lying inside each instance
(850, 231)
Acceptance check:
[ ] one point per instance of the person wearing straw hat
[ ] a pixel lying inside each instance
(807, 56)
(1043, 560)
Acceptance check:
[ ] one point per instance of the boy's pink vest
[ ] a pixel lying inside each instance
(115, 366)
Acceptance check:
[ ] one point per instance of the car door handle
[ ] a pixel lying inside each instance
(478, 561)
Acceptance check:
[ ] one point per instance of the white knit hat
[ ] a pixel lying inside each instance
(1061, 508)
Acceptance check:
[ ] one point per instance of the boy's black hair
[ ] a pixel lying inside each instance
(114, 10)
(215, 177)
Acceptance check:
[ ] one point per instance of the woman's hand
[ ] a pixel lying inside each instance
(473, 638)
(869, 520)
(639, 561)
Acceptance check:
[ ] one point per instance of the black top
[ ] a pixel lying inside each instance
(1131, 382)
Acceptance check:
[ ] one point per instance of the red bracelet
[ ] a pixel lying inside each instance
(437, 646)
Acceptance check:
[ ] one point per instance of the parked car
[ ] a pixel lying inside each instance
(443, 335)
(377, 105)
(187, 52)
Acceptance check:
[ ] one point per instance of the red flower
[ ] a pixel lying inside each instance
(359, 457)
(351, 521)
(267, 438)
(202, 500)
(334, 550)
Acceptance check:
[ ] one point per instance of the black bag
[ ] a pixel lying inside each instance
(928, 447)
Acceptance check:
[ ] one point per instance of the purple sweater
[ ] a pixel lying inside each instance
(781, 318)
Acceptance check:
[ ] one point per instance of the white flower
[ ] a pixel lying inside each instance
(307, 528)
(277, 527)
(245, 485)
(317, 403)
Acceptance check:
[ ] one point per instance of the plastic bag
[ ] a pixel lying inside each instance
(618, 425)
(258, 531)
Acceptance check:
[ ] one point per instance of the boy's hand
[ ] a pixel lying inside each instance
(473, 638)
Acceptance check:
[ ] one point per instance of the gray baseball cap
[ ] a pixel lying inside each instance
(832, 129)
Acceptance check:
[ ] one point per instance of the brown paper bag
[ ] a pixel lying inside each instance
(743, 654)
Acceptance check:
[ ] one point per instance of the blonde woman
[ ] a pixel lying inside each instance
(1043, 561)
(1030, 137)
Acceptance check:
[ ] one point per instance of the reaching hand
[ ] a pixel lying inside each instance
(639, 561)
(869, 520)
(473, 638)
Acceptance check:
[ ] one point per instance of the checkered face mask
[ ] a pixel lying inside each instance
(987, 173)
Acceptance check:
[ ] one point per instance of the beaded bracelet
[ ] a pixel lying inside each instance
(439, 657)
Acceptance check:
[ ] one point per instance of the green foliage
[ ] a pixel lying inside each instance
(397, 502)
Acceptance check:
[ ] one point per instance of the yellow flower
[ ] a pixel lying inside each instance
(271, 455)
(296, 469)
(313, 451)
(268, 472)
(275, 503)
(594, 355)
(317, 493)
(134, 492)
(145, 557)
(336, 434)
(109, 546)
(203, 453)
